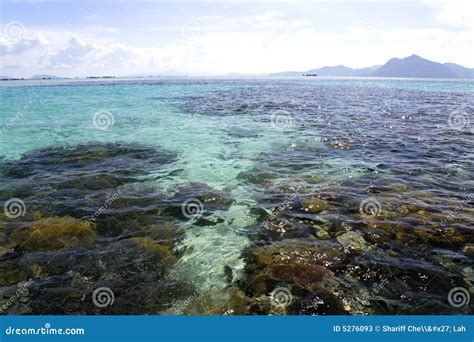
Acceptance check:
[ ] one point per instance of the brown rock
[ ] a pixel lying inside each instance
(214, 301)
(313, 204)
(54, 233)
(304, 276)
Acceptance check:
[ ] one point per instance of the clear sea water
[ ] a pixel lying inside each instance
(405, 142)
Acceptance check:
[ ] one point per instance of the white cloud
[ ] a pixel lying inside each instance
(71, 56)
(86, 57)
(21, 46)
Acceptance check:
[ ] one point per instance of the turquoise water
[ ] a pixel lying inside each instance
(251, 138)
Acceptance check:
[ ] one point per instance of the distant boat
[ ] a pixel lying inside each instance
(312, 75)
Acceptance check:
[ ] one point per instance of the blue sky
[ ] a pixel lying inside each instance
(80, 38)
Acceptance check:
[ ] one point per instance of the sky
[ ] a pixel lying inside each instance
(84, 38)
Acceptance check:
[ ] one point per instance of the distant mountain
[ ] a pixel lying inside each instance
(461, 71)
(338, 70)
(288, 73)
(414, 67)
(410, 67)
(366, 71)
(341, 70)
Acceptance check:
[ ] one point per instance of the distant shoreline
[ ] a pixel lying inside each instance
(263, 76)
(409, 67)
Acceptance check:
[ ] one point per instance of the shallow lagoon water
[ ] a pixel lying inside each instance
(282, 167)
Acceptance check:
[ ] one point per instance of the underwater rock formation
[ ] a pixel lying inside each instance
(92, 222)
(399, 255)
(52, 233)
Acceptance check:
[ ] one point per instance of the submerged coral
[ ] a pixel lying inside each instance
(53, 233)
(93, 223)
(363, 246)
